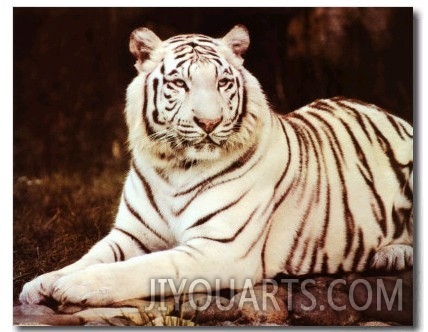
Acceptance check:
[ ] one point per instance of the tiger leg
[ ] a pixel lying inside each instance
(107, 250)
(393, 257)
(176, 269)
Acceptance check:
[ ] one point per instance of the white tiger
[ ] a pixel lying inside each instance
(220, 187)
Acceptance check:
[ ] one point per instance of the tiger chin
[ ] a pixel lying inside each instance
(221, 188)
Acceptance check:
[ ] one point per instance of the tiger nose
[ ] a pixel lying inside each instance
(207, 125)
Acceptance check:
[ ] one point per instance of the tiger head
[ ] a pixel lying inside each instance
(189, 102)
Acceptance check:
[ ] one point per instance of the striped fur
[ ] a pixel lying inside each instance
(220, 187)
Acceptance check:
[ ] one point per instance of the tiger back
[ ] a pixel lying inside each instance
(222, 188)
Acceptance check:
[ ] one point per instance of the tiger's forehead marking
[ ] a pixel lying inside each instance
(196, 38)
(186, 51)
(201, 44)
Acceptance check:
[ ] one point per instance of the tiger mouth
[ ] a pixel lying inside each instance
(207, 142)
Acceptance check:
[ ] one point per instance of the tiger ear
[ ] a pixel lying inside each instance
(142, 43)
(238, 39)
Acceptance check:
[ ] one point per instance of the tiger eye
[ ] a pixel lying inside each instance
(224, 82)
(179, 82)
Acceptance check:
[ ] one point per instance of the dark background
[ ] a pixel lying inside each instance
(72, 66)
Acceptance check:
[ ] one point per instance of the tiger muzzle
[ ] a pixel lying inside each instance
(207, 125)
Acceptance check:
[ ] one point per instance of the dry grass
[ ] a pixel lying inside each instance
(57, 218)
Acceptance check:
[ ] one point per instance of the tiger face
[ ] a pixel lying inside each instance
(194, 97)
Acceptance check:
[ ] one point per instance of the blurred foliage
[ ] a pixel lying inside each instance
(72, 66)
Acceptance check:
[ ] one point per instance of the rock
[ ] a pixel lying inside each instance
(354, 300)
(316, 306)
(70, 308)
(227, 323)
(32, 309)
(97, 324)
(205, 310)
(384, 298)
(167, 304)
(374, 323)
(40, 315)
(170, 321)
(129, 312)
(263, 304)
(110, 315)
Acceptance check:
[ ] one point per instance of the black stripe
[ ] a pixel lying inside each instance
(405, 130)
(303, 160)
(321, 105)
(263, 253)
(255, 241)
(320, 158)
(174, 104)
(140, 219)
(155, 98)
(370, 258)
(139, 243)
(216, 60)
(393, 162)
(358, 116)
(177, 39)
(234, 236)
(326, 216)
(349, 218)
(172, 72)
(209, 185)
(205, 219)
(181, 63)
(314, 257)
(238, 109)
(285, 194)
(288, 147)
(304, 254)
(148, 190)
(181, 55)
(369, 181)
(122, 255)
(176, 270)
(263, 229)
(393, 122)
(339, 98)
(195, 249)
(231, 168)
(176, 112)
(316, 149)
(298, 234)
(330, 132)
(114, 252)
(149, 128)
(324, 269)
(407, 192)
(400, 217)
(205, 39)
(359, 252)
(382, 219)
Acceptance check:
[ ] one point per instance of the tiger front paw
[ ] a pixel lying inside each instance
(93, 286)
(39, 289)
